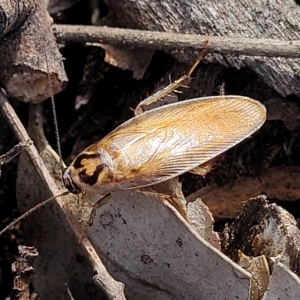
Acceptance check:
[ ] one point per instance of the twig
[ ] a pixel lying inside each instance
(12, 153)
(116, 290)
(113, 291)
(176, 41)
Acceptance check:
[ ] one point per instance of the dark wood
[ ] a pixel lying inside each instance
(23, 53)
(226, 202)
(265, 229)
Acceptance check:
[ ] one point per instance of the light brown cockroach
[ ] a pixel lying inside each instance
(163, 143)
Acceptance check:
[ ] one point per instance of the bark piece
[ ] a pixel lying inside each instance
(149, 246)
(284, 284)
(259, 269)
(13, 14)
(265, 229)
(202, 221)
(95, 68)
(133, 58)
(24, 69)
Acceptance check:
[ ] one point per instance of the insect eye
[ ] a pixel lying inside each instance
(69, 183)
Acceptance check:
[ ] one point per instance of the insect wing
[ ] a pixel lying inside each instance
(165, 142)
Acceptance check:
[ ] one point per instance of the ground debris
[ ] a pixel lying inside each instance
(265, 229)
(22, 270)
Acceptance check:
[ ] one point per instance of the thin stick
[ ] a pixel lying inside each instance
(175, 41)
(12, 153)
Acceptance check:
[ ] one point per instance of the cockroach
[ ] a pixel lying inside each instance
(163, 143)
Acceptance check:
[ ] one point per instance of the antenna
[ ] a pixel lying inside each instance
(30, 211)
(53, 110)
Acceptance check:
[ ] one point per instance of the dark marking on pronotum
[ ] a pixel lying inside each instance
(77, 163)
(91, 179)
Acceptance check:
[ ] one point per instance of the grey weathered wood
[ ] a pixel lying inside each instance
(151, 248)
(248, 19)
(284, 284)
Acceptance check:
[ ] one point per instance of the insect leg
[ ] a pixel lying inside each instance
(101, 202)
(205, 168)
(172, 86)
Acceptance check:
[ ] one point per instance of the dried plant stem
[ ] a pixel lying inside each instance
(176, 41)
